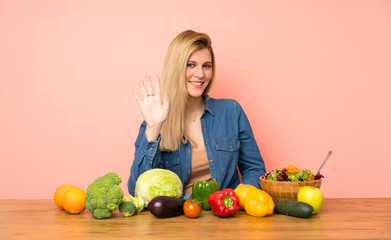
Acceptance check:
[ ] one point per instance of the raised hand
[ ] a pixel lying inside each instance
(153, 106)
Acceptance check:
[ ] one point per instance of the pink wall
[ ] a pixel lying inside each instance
(313, 76)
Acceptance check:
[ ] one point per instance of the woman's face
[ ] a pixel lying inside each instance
(198, 72)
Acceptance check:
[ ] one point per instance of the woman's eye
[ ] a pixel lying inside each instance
(207, 66)
(190, 65)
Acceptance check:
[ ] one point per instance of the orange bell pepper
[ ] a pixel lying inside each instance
(258, 203)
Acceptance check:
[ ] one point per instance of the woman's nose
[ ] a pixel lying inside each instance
(199, 72)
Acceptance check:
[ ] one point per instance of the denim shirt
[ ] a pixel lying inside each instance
(229, 142)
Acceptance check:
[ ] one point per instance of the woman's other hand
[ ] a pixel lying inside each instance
(153, 106)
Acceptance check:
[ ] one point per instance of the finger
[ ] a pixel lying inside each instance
(157, 87)
(149, 86)
(142, 86)
(137, 97)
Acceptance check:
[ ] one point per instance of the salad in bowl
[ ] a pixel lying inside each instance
(292, 174)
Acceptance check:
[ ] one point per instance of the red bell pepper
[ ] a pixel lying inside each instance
(224, 203)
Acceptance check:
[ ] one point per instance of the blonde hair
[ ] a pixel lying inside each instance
(174, 83)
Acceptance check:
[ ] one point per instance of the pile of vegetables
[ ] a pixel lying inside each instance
(161, 190)
(105, 196)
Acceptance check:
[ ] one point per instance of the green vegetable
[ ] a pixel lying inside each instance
(127, 208)
(104, 195)
(137, 202)
(294, 208)
(201, 191)
(158, 182)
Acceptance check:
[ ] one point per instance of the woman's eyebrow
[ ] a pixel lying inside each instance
(196, 62)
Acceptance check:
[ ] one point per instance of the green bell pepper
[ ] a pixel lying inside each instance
(202, 190)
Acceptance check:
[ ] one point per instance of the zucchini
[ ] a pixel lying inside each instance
(294, 208)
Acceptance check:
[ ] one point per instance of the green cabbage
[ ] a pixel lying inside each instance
(158, 182)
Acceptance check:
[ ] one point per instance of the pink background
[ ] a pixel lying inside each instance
(312, 76)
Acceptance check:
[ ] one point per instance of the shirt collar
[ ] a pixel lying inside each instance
(209, 105)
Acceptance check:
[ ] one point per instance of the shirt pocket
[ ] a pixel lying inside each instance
(171, 161)
(228, 152)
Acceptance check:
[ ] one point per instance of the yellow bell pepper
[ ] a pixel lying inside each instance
(258, 203)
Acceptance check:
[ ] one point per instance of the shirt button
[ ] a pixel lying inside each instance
(211, 160)
(204, 129)
(214, 179)
(188, 171)
(167, 163)
(230, 146)
(189, 151)
(206, 143)
(151, 148)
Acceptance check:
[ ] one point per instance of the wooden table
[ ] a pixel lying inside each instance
(339, 219)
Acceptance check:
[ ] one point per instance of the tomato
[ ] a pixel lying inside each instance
(192, 208)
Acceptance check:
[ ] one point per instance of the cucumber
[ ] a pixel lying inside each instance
(294, 208)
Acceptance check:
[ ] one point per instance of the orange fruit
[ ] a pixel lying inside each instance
(74, 200)
(59, 194)
(241, 192)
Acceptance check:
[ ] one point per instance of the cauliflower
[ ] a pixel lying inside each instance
(104, 195)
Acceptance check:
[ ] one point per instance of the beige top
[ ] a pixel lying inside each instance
(199, 169)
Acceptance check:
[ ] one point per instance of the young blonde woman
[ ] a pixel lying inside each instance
(186, 131)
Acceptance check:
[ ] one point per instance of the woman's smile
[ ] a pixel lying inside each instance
(197, 84)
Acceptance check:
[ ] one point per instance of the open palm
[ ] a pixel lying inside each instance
(153, 106)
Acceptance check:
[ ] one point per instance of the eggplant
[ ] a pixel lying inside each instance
(165, 207)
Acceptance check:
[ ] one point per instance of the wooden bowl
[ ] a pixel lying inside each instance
(280, 190)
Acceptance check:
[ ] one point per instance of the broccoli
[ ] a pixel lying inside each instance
(104, 195)
(127, 208)
(131, 205)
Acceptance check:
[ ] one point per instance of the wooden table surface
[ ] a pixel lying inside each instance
(339, 219)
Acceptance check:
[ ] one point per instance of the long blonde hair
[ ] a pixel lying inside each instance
(174, 83)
